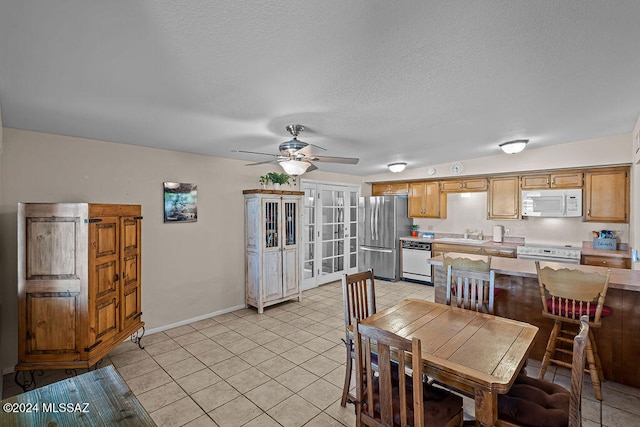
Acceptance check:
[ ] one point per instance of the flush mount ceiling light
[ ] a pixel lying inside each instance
(513, 147)
(397, 167)
(294, 167)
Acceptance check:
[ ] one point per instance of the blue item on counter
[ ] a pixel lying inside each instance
(427, 235)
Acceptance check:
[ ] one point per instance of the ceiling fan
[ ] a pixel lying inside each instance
(296, 156)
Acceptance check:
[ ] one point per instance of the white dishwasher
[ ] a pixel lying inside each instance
(414, 261)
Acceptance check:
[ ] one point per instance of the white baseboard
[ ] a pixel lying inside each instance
(9, 370)
(193, 319)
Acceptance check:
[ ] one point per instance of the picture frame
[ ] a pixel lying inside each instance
(180, 202)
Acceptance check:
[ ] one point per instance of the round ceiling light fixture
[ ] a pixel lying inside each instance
(294, 167)
(513, 147)
(397, 167)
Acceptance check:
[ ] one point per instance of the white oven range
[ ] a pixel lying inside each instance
(552, 253)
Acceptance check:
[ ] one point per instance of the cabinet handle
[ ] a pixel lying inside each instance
(116, 277)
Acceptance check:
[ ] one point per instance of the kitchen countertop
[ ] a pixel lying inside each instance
(620, 278)
(623, 252)
(490, 243)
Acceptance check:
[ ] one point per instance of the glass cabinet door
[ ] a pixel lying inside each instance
(290, 223)
(271, 220)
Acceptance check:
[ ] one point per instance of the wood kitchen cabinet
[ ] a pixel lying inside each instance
(503, 199)
(606, 195)
(79, 282)
(272, 246)
(505, 252)
(426, 200)
(605, 261)
(441, 248)
(389, 188)
(552, 180)
(464, 185)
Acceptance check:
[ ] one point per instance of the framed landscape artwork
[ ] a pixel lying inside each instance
(180, 202)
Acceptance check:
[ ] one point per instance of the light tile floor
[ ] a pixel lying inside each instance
(282, 368)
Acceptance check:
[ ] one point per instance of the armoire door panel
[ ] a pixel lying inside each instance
(51, 323)
(106, 319)
(130, 234)
(131, 304)
(130, 269)
(106, 237)
(51, 250)
(105, 278)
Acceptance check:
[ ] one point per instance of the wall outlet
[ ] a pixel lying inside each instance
(430, 227)
(506, 231)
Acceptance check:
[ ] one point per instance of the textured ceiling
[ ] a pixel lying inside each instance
(425, 82)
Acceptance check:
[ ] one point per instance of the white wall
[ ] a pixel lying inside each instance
(188, 270)
(609, 150)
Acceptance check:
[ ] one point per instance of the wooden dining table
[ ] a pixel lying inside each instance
(476, 353)
(97, 398)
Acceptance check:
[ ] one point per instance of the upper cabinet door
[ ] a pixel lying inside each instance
(553, 180)
(504, 198)
(607, 195)
(464, 185)
(389, 189)
(426, 200)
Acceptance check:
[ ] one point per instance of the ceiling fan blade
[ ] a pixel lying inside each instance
(261, 163)
(255, 152)
(306, 151)
(312, 168)
(329, 159)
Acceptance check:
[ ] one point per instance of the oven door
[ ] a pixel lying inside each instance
(550, 259)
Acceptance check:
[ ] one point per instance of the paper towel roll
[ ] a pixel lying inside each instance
(498, 231)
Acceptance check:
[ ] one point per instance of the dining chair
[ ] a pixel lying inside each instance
(359, 295)
(566, 295)
(470, 283)
(536, 402)
(385, 395)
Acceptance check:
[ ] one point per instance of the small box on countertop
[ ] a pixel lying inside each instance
(606, 244)
(428, 235)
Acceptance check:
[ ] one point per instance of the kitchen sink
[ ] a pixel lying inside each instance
(461, 240)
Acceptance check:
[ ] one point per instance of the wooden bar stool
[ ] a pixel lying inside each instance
(566, 295)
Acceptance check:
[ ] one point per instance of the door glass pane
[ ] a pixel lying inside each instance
(309, 231)
(271, 224)
(290, 222)
(353, 229)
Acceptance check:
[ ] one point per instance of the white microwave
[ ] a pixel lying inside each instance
(552, 203)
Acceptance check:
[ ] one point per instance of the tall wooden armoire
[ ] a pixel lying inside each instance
(273, 221)
(79, 288)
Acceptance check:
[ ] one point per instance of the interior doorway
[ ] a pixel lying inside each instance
(330, 231)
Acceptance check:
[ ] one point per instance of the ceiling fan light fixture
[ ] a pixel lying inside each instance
(513, 147)
(397, 167)
(294, 167)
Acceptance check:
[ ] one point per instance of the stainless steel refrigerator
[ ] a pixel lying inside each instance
(383, 220)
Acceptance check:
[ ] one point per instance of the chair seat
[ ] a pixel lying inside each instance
(440, 406)
(533, 402)
(606, 310)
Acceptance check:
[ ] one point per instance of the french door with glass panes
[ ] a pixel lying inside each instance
(330, 236)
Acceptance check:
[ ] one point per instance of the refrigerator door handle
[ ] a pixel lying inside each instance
(377, 218)
(388, 251)
(371, 218)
